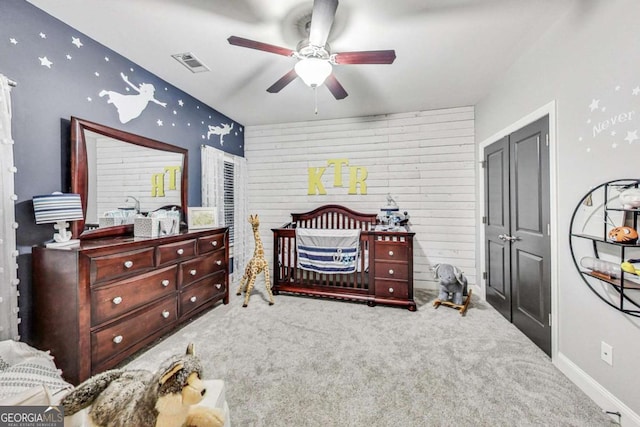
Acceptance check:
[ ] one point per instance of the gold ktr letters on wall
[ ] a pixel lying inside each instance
(157, 180)
(357, 177)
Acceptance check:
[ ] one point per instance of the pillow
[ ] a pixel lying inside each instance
(24, 371)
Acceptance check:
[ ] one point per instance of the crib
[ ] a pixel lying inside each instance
(384, 272)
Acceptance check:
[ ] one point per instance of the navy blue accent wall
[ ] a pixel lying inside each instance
(62, 73)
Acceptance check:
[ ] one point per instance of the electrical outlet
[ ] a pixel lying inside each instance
(606, 353)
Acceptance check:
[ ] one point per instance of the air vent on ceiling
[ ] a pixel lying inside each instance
(191, 62)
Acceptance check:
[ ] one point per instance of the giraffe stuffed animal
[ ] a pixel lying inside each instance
(256, 265)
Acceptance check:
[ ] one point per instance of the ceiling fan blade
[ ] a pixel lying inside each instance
(252, 44)
(366, 57)
(284, 80)
(324, 12)
(335, 87)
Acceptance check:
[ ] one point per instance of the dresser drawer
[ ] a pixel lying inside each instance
(391, 288)
(210, 243)
(110, 301)
(196, 269)
(392, 251)
(176, 251)
(196, 294)
(113, 266)
(110, 341)
(389, 270)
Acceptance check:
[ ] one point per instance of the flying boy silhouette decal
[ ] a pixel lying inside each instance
(131, 106)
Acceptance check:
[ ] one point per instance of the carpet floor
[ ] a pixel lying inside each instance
(322, 362)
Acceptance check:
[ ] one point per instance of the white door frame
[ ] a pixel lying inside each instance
(550, 110)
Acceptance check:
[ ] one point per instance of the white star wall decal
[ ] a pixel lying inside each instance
(76, 41)
(97, 74)
(180, 103)
(106, 58)
(13, 41)
(44, 61)
(43, 36)
(594, 104)
(69, 56)
(159, 122)
(632, 136)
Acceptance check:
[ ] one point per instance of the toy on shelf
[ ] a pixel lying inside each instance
(623, 235)
(601, 268)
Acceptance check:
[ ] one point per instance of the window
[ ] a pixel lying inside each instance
(229, 197)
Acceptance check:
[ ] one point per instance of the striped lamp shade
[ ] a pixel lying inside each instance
(56, 207)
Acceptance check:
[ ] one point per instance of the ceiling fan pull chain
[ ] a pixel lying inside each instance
(315, 96)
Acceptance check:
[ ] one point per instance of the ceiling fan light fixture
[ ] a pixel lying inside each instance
(313, 71)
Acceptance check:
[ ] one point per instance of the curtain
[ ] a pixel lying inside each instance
(213, 180)
(8, 254)
(241, 250)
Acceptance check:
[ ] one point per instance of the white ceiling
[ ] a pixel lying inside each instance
(449, 52)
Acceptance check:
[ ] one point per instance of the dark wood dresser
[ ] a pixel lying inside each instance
(97, 304)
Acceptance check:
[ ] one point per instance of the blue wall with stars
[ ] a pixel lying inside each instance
(62, 73)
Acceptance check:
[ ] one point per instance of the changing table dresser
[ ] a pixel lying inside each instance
(96, 304)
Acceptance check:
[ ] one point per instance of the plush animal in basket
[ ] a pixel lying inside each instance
(453, 283)
(123, 398)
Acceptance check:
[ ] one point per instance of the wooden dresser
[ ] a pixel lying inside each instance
(393, 268)
(97, 304)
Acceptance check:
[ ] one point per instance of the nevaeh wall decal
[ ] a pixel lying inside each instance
(613, 117)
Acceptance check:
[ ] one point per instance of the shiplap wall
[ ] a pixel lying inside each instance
(424, 159)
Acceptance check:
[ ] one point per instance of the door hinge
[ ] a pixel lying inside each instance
(549, 319)
(483, 164)
(484, 275)
(484, 219)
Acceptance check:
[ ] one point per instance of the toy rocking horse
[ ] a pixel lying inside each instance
(256, 265)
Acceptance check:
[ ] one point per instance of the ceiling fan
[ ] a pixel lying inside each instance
(315, 59)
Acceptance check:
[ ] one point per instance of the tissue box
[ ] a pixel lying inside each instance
(146, 227)
(105, 221)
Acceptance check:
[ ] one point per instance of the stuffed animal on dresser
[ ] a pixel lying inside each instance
(167, 398)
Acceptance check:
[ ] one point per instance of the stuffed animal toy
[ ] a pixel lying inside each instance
(122, 398)
(453, 284)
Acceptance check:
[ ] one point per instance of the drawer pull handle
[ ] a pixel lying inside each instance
(128, 264)
(390, 290)
(390, 271)
(117, 300)
(193, 272)
(117, 339)
(219, 262)
(193, 299)
(218, 285)
(165, 314)
(214, 243)
(180, 251)
(165, 283)
(390, 253)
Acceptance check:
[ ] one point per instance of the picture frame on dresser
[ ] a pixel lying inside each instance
(199, 218)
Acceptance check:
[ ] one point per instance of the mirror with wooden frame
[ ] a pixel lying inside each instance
(122, 174)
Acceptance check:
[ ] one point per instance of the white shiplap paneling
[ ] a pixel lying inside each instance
(424, 159)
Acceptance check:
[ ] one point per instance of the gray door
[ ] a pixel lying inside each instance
(517, 245)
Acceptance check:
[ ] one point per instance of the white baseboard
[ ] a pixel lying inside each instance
(597, 392)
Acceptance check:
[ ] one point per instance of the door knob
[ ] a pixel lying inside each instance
(507, 238)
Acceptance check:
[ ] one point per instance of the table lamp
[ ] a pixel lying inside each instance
(58, 208)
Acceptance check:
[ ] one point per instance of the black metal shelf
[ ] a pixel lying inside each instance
(628, 291)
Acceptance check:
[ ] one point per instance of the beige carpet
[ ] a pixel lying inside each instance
(321, 362)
